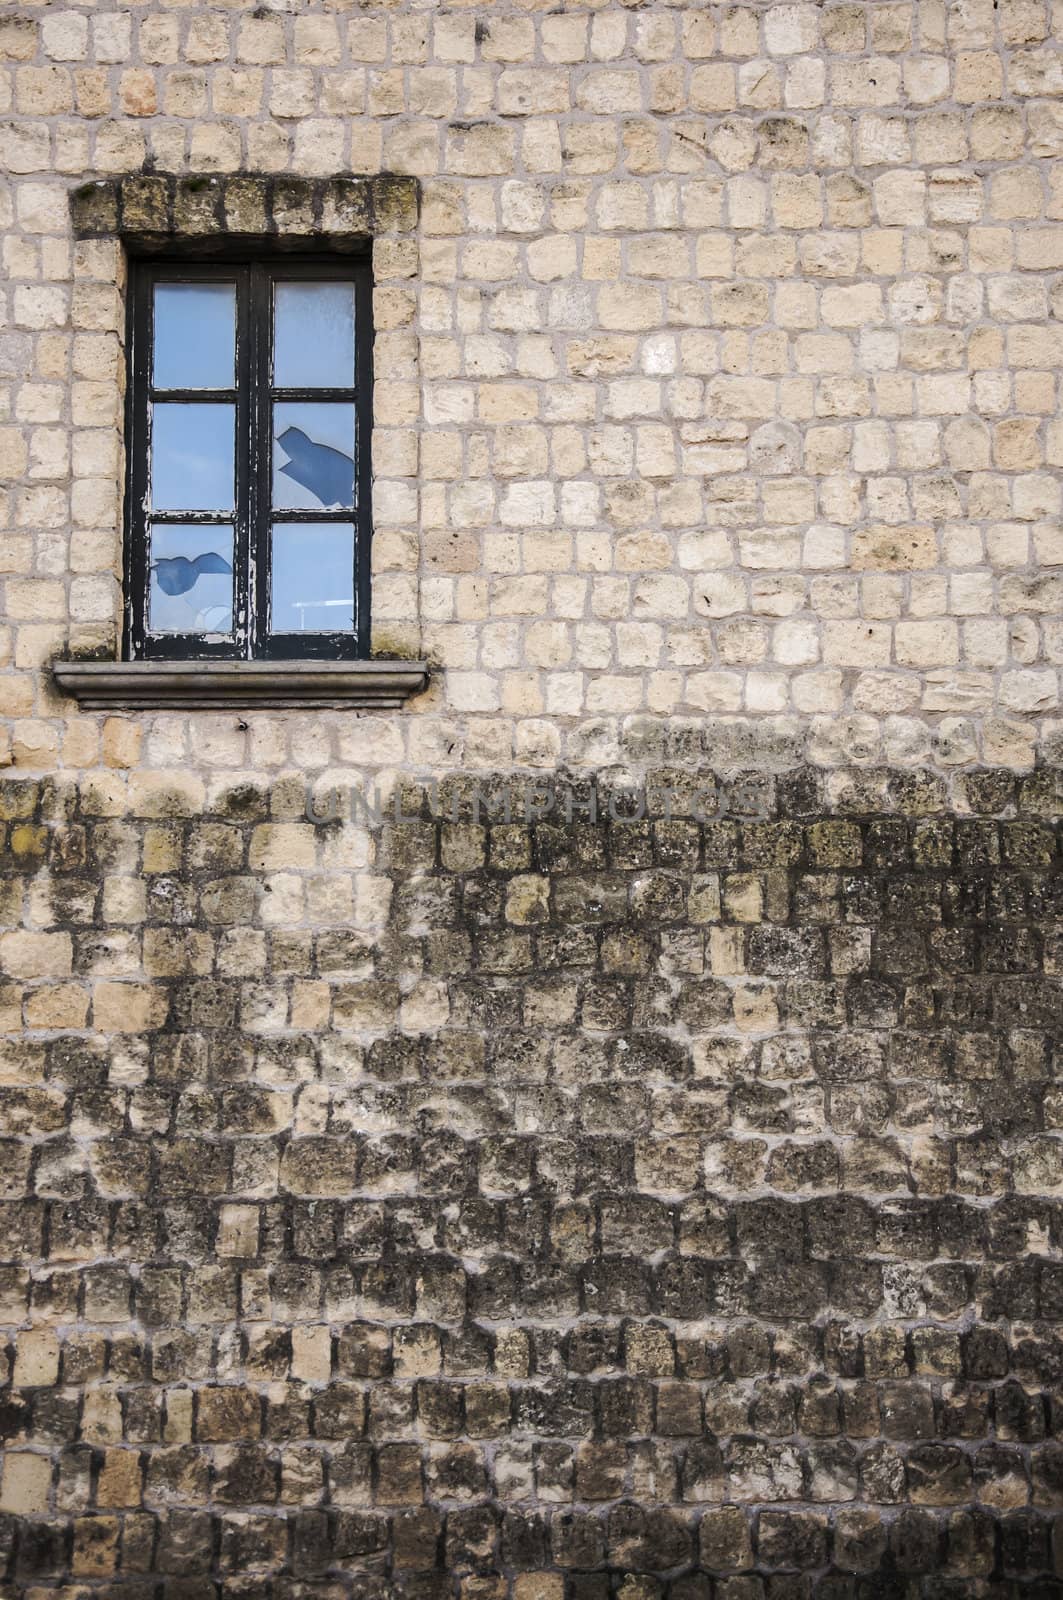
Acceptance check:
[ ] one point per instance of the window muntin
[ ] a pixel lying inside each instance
(248, 521)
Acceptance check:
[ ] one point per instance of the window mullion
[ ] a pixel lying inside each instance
(258, 578)
(245, 448)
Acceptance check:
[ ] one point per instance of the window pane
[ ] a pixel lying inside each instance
(191, 587)
(313, 456)
(192, 457)
(313, 577)
(195, 335)
(314, 336)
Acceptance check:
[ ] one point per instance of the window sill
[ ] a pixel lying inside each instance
(239, 685)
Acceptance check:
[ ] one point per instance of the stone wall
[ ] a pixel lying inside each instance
(718, 377)
(451, 1203)
(584, 1206)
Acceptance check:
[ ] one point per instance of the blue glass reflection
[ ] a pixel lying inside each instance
(313, 577)
(192, 456)
(195, 335)
(314, 336)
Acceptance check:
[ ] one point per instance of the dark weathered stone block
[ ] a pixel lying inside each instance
(197, 206)
(94, 208)
(146, 205)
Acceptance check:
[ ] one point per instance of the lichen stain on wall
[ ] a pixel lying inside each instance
(535, 1208)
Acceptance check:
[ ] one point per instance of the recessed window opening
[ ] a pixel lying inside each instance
(248, 520)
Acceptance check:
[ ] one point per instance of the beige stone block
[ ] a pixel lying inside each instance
(36, 1358)
(894, 548)
(121, 742)
(63, 1005)
(1017, 444)
(137, 94)
(821, 354)
(1008, 743)
(631, 306)
(900, 198)
(1030, 691)
(260, 41)
(128, 1007)
(14, 456)
(1035, 391)
(713, 88)
(539, 1586)
(454, 39)
(855, 306)
(856, 644)
(1048, 544)
(26, 954)
(282, 845)
(165, 793)
(1024, 22)
(797, 200)
(317, 41)
(655, 38)
(120, 1477)
(979, 76)
(1016, 195)
(885, 141)
(312, 1354)
(43, 91)
(1039, 249)
(40, 308)
(950, 690)
(926, 80)
(208, 39)
(18, 38)
(522, 91)
(564, 38)
(25, 1483)
(27, 148)
(791, 29)
(606, 92)
(943, 394)
(42, 208)
(872, 81)
(760, 85)
(509, 38)
(927, 644)
(159, 38)
(238, 1231)
(891, 26)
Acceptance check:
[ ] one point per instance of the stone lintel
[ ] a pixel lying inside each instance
(159, 210)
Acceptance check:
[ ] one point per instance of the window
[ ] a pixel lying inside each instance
(248, 520)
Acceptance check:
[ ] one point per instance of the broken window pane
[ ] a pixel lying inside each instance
(313, 456)
(191, 570)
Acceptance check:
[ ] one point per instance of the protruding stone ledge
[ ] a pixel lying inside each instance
(161, 210)
(239, 685)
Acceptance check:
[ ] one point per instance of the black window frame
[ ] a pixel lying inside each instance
(256, 274)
